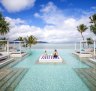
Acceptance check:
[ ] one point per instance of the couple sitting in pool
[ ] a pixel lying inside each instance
(55, 54)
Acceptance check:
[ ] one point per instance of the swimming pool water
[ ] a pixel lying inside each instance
(51, 77)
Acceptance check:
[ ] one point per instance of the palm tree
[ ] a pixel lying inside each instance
(89, 41)
(4, 28)
(20, 39)
(93, 21)
(4, 25)
(3, 42)
(31, 40)
(25, 41)
(82, 28)
(93, 29)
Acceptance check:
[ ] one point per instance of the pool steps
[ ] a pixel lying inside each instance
(6, 79)
(13, 63)
(90, 63)
(9, 76)
(4, 73)
(16, 82)
(11, 79)
(6, 62)
(86, 61)
(88, 75)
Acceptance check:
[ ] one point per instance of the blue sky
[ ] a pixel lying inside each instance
(48, 20)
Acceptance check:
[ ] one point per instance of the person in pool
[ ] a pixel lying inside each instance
(45, 52)
(55, 54)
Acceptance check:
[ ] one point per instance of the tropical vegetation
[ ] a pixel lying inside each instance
(93, 19)
(4, 25)
(20, 39)
(4, 28)
(93, 23)
(82, 28)
(29, 40)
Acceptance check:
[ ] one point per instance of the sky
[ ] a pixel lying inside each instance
(48, 20)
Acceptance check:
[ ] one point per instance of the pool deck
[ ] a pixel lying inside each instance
(14, 54)
(18, 54)
(9, 76)
(93, 59)
(88, 75)
(83, 54)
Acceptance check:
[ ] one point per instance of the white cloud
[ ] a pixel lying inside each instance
(36, 15)
(64, 28)
(49, 33)
(17, 5)
(51, 14)
(23, 30)
(14, 22)
(48, 7)
(58, 28)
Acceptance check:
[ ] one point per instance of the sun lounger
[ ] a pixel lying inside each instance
(3, 56)
(83, 54)
(86, 51)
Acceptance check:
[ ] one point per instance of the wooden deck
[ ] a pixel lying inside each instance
(88, 75)
(9, 78)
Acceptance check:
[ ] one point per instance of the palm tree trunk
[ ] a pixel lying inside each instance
(82, 36)
(88, 45)
(83, 39)
(30, 45)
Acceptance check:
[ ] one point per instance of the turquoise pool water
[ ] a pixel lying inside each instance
(51, 77)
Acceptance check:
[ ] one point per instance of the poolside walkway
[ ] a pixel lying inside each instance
(88, 75)
(9, 76)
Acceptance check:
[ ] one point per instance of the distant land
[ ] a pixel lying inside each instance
(41, 42)
(57, 42)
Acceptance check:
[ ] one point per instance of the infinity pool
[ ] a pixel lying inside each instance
(51, 77)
